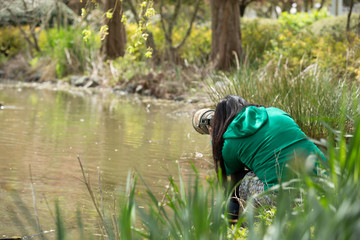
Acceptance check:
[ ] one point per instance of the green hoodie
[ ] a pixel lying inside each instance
(263, 140)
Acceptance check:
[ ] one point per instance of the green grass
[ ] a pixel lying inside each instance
(68, 50)
(311, 97)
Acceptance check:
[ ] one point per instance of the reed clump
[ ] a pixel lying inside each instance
(312, 97)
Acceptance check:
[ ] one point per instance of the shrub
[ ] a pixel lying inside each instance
(68, 49)
(296, 22)
(195, 50)
(127, 68)
(11, 41)
(333, 26)
(256, 36)
(198, 46)
(300, 50)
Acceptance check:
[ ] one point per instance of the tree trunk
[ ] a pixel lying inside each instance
(114, 43)
(306, 5)
(349, 16)
(226, 33)
(242, 7)
(358, 27)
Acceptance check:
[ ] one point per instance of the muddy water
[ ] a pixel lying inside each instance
(46, 129)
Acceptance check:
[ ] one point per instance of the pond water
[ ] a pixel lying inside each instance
(46, 129)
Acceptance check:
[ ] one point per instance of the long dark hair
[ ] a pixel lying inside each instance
(226, 110)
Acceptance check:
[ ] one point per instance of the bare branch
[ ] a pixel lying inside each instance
(174, 17)
(13, 17)
(133, 10)
(190, 27)
(162, 17)
(25, 5)
(358, 32)
(349, 16)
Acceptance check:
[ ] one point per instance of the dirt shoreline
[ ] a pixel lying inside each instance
(186, 104)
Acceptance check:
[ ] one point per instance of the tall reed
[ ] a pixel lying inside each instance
(311, 96)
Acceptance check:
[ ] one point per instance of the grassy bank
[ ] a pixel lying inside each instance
(312, 97)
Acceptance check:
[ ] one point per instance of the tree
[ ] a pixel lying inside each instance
(308, 4)
(141, 18)
(349, 16)
(244, 3)
(226, 46)
(115, 41)
(169, 27)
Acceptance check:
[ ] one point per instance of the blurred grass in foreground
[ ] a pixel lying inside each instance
(308, 207)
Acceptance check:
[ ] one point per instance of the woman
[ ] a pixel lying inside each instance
(253, 144)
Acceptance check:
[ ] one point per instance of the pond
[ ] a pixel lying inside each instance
(44, 130)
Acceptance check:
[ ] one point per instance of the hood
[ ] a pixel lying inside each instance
(247, 122)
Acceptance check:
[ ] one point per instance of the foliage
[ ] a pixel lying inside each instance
(257, 35)
(295, 22)
(197, 47)
(333, 26)
(11, 41)
(67, 48)
(140, 35)
(299, 51)
(126, 68)
(195, 50)
(137, 52)
(195, 213)
(312, 96)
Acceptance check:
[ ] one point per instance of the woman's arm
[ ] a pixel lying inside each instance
(237, 177)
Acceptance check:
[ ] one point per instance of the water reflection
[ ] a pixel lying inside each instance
(48, 129)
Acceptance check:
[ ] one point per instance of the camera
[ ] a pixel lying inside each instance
(202, 119)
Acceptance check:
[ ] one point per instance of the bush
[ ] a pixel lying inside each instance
(197, 47)
(11, 41)
(333, 26)
(195, 50)
(256, 36)
(68, 50)
(296, 22)
(300, 50)
(127, 68)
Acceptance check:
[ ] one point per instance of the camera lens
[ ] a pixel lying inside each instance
(202, 119)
